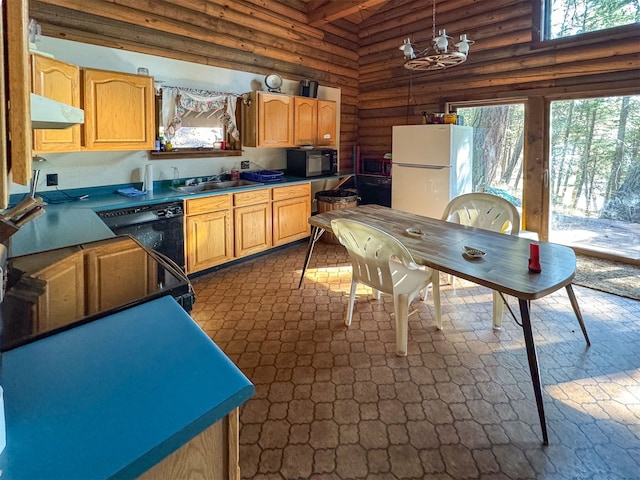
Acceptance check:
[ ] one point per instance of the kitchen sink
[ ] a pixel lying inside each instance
(230, 184)
(208, 186)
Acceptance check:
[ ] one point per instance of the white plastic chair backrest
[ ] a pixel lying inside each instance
(484, 210)
(375, 255)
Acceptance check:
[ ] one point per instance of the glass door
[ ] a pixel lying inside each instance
(498, 149)
(595, 175)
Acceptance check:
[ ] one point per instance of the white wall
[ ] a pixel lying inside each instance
(87, 169)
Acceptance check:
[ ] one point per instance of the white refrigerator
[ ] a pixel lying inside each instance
(431, 165)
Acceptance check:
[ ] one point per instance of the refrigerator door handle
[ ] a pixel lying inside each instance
(419, 165)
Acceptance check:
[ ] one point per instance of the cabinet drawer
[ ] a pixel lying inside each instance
(282, 193)
(207, 204)
(251, 197)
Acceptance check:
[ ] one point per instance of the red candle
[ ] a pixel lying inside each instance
(534, 258)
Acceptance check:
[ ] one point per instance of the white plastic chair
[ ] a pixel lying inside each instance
(381, 262)
(489, 212)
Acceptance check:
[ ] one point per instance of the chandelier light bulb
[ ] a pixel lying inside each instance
(463, 45)
(407, 49)
(441, 41)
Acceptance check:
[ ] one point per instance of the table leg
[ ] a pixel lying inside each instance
(533, 366)
(316, 233)
(576, 309)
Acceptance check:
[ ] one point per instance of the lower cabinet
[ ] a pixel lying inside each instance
(214, 454)
(220, 228)
(252, 222)
(109, 284)
(291, 210)
(209, 236)
(55, 291)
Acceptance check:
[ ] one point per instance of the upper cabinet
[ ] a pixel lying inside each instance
(277, 120)
(305, 121)
(59, 81)
(15, 123)
(267, 120)
(118, 110)
(327, 114)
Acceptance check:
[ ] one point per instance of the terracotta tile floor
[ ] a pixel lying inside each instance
(337, 403)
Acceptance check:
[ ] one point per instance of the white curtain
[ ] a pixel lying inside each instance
(177, 102)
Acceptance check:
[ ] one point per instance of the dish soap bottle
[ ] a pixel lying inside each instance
(235, 173)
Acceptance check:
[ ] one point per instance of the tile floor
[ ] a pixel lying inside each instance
(336, 403)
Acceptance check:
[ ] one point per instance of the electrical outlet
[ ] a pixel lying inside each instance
(244, 164)
(52, 179)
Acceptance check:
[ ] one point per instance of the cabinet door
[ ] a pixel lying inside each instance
(252, 229)
(112, 280)
(327, 111)
(290, 220)
(119, 111)
(305, 128)
(59, 81)
(275, 120)
(209, 240)
(63, 296)
(16, 86)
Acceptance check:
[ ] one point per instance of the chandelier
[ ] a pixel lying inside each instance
(439, 54)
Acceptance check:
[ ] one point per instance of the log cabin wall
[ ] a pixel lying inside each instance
(354, 46)
(248, 35)
(507, 61)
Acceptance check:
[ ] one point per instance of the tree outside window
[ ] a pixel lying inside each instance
(572, 17)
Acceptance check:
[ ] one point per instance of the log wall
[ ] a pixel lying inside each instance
(362, 59)
(507, 61)
(246, 35)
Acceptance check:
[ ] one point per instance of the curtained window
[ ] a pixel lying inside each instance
(198, 118)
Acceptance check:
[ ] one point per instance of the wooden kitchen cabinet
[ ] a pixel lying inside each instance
(59, 81)
(276, 120)
(15, 123)
(267, 120)
(252, 221)
(209, 235)
(291, 210)
(305, 121)
(54, 287)
(112, 280)
(326, 124)
(119, 110)
(64, 292)
(221, 228)
(314, 122)
(215, 454)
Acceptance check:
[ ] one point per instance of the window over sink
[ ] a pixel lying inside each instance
(197, 122)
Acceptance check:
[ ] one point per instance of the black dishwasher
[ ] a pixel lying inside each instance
(159, 226)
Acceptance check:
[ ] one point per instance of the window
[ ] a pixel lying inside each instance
(571, 17)
(197, 118)
(498, 141)
(595, 174)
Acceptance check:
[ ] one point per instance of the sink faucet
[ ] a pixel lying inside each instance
(214, 178)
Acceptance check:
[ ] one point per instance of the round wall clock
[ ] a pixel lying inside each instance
(273, 82)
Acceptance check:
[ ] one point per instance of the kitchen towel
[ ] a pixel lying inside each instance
(131, 192)
(148, 178)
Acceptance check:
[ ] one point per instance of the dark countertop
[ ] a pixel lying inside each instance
(71, 221)
(112, 398)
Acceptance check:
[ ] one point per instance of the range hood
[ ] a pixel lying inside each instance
(49, 114)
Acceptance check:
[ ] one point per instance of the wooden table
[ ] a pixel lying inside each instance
(504, 268)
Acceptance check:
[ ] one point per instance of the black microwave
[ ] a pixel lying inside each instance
(303, 162)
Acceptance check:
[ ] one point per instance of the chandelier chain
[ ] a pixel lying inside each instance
(433, 21)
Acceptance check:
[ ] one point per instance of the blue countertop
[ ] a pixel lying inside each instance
(74, 221)
(115, 396)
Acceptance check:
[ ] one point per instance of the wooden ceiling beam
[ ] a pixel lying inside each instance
(320, 13)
